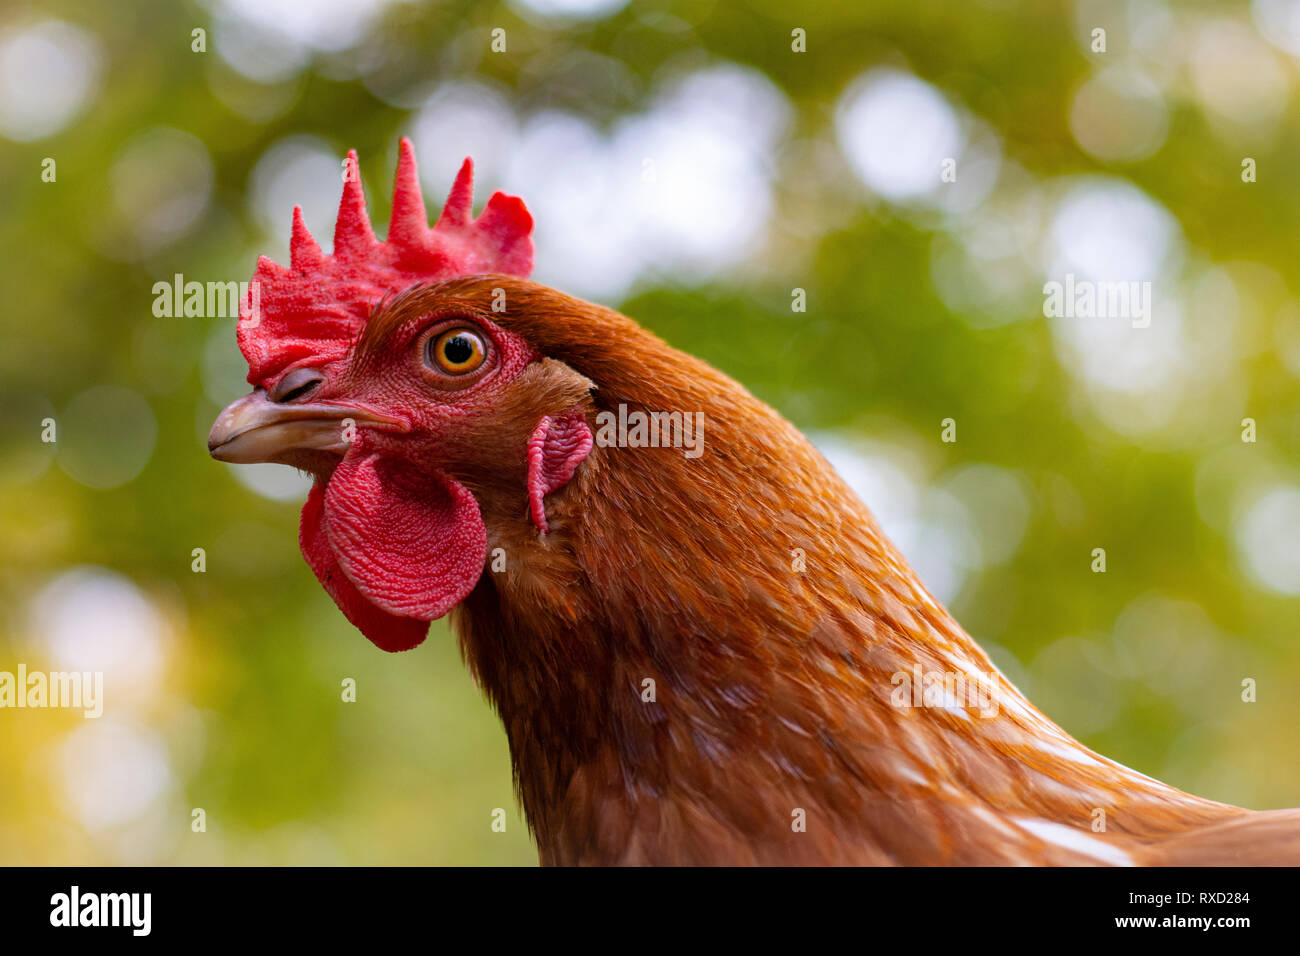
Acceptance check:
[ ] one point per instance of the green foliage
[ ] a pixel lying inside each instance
(249, 704)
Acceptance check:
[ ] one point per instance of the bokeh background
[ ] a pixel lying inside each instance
(687, 166)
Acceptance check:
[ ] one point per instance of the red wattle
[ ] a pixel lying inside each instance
(389, 632)
(413, 543)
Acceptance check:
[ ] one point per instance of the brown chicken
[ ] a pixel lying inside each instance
(702, 654)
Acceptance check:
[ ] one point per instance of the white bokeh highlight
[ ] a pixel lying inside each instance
(111, 773)
(570, 9)
(269, 41)
(897, 131)
(49, 73)
(297, 171)
(91, 618)
(682, 190)
(1266, 536)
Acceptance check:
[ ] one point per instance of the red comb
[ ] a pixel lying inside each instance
(312, 312)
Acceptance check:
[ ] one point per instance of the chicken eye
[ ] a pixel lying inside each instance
(457, 351)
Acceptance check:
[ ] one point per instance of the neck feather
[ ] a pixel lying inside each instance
(705, 648)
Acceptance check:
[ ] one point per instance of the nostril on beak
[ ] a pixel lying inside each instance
(297, 384)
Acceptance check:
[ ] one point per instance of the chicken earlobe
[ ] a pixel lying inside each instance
(555, 450)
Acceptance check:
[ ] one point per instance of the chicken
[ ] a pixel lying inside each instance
(707, 657)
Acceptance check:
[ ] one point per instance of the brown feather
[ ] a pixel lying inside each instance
(773, 686)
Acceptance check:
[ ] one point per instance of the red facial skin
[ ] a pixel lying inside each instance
(391, 528)
(392, 535)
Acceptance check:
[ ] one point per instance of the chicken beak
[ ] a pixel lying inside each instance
(256, 429)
